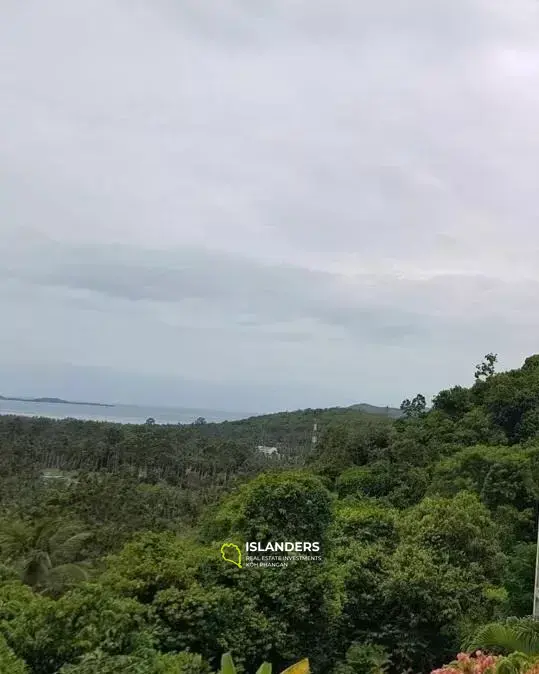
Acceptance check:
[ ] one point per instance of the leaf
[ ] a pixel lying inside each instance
(521, 636)
(301, 667)
(265, 668)
(70, 571)
(68, 550)
(227, 665)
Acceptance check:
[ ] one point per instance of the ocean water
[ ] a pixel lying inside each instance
(123, 414)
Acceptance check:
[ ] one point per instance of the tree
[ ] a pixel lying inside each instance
(486, 368)
(455, 402)
(199, 421)
(51, 633)
(519, 578)
(206, 619)
(410, 602)
(374, 480)
(150, 421)
(414, 408)
(459, 530)
(293, 506)
(501, 476)
(512, 399)
(151, 563)
(366, 521)
(46, 552)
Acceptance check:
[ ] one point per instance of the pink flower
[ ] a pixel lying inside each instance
(476, 663)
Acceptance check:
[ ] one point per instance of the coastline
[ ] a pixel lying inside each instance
(54, 401)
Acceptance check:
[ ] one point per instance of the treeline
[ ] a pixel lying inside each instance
(154, 451)
(427, 526)
(210, 451)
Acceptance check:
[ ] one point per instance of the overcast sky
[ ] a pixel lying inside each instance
(266, 205)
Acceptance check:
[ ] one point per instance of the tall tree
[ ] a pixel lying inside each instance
(486, 368)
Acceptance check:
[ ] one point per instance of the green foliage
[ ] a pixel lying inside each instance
(151, 662)
(374, 481)
(483, 663)
(228, 667)
(364, 659)
(520, 635)
(455, 402)
(207, 620)
(8, 573)
(150, 563)
(415, 407)
(355, 442)
(459, 530)
(398, 485)
(502, 476)
(181, 663)
(48, 633)
(48, 553)
(512, 399)
(519, 579)
(102, 663)
(486, 368)
(365, 521)
(410, 603)
(9, 662)
(294, 506)
(427, 526)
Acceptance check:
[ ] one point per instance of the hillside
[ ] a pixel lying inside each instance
(426, 527)
(291, 429)
(391, 412)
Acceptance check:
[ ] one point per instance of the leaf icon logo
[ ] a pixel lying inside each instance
(231, 553)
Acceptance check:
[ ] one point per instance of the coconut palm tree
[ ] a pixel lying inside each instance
(46, 553)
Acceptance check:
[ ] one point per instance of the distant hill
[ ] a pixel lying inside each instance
(293, 428)
(58, 401)
(391, 412)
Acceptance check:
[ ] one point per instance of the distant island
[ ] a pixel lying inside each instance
(58, 401)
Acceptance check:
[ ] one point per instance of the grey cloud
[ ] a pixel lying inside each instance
(266, 293)
(321, 147)
(238, 191)
(242, 22)
(247, 292)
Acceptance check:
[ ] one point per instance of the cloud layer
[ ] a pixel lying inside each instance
(307, 204)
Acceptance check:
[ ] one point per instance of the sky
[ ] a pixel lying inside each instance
(264, 206)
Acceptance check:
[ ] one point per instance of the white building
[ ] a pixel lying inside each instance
(267, 450)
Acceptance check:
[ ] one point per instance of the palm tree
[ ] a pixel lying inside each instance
(46, 553)
(512, 635)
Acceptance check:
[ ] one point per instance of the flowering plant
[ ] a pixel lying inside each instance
(482, 663)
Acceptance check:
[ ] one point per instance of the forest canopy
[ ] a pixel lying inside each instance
(110, 538)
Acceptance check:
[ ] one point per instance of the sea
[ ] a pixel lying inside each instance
(121, 414)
